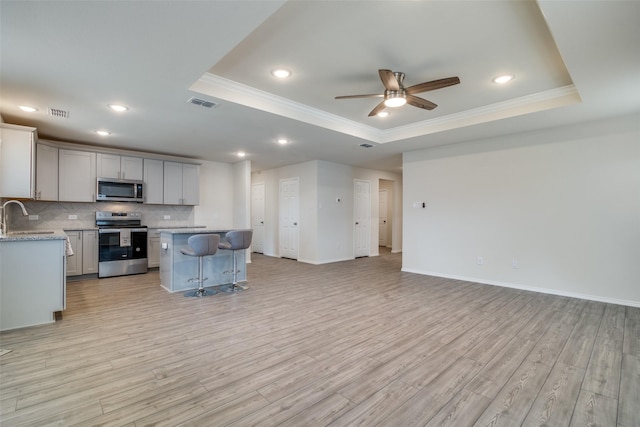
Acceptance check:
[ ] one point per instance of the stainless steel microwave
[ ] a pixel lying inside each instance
(119, 190)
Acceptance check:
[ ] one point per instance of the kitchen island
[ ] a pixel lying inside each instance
(32, 278)
(176, 269)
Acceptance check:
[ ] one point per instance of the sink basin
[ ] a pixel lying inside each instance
(13, 233)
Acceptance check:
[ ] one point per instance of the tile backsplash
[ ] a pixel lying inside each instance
(56, 215)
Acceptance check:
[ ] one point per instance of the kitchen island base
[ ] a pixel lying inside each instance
(176, 268)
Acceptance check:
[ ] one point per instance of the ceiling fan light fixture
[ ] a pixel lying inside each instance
(282, 141)
(396, 101)
(383, 114)
(241, 154)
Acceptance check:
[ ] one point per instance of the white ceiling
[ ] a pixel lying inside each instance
(573, 61)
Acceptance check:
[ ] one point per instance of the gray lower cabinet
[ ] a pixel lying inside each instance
(85, 252)
(153, 248)
(74, 262)
(89, 251)
(32, 283)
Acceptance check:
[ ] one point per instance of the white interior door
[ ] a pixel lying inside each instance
(362, 218)
(382, 219)
(257, 217)
(289, 211)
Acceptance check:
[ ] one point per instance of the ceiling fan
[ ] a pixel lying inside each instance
(396, 95)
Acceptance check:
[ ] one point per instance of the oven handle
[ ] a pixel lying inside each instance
(117, 230)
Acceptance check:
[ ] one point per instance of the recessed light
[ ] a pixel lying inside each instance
(118, 108)
(283, 141)
(27, 109)
(103, 132)
(503, 79)
(383, 114)
(241, 154)
(281, 73)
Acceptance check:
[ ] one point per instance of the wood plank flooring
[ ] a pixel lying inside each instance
(344, 344)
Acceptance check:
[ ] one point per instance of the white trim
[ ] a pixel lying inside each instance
(325, 261)
(238, 93)
(528, 288)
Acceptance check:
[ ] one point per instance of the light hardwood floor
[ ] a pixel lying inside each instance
(350, 343)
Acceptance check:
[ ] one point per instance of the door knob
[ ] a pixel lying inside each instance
(357, 223)
(295, 223)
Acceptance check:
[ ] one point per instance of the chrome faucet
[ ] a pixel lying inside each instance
(4, 214)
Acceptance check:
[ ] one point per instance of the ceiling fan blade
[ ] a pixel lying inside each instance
(376, 110)
(373, 95)
(389, 80)
(432, 85)
(420, 103)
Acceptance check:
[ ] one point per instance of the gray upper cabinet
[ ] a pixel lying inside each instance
(119, 167)
(181, 184)
(46, 173)
(17, 161)
(77, 176)
(153, 181)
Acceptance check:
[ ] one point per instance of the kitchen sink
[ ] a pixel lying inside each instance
(29, 232)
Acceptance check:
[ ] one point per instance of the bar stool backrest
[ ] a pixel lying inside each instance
(203, 244)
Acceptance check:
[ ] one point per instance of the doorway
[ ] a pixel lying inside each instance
(257, 217)
(387, 237)
(362, 218)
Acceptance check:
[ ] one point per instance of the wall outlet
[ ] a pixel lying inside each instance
(34, 217)
(167, 217)
(73, 216)
(515, 264)
(480, 260)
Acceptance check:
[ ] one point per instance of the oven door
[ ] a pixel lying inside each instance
(110, 248)
(115, 259)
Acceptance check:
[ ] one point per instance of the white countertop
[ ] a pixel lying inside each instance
(16, 236)
(194, 230)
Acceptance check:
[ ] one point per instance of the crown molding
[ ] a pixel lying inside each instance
(228, 90)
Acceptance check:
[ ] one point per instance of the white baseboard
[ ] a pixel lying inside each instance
(589, 297)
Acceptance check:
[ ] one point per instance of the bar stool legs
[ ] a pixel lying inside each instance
(201, 245)
(201, 291)
(237, 240)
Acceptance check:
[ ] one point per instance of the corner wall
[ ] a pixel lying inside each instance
(326, 226)
(554, 211)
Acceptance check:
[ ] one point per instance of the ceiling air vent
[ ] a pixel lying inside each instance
(365, 145)
(202, 102)
(56, 112)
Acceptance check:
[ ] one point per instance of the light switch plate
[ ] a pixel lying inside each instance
(167, 217)
(34, 217)
(73, 216)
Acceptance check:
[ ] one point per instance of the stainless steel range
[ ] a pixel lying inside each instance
(122, 244)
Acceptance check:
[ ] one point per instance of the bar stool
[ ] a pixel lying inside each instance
(235, 241)
(201, 245)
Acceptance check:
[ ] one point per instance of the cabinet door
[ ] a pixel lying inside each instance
(77, 178)
(153, 249)
(17, 162)
(153, 181)
(46, 172)
(131, 168)
(108, 166)
(190, 185)
(74, 262)
(89, 251)
(172, 183)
